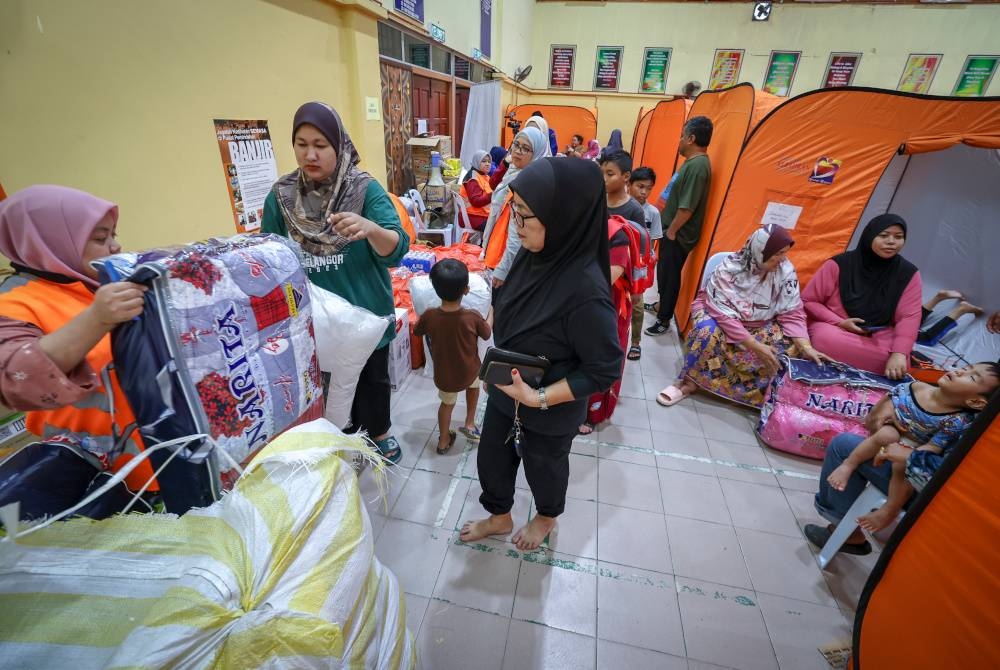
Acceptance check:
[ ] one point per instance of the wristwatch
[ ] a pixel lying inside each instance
(542, 403)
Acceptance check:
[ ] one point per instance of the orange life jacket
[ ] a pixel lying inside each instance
(484, 183)
(404, 216)
(50, 306)
(497, 243)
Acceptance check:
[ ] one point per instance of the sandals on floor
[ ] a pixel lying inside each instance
(634, 352)
(390, 449)
(591, 429)
(451, 443)
(670, 396)
(818, 536)
(472, 435)
(650, 307)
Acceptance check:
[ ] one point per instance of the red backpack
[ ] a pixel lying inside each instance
(640, 250)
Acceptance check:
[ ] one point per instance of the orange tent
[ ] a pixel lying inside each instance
(730, 110)
(826, 161)
(940, 566)
(639, 136)
(657, 136)
(566, 120)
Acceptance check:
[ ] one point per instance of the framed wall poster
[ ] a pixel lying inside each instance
(919, 73)
(249, 167)
(562, 60)
(781, 72)
(725, 68)
(655, 65)
(607, 68)
(841, 68)
(976, 75)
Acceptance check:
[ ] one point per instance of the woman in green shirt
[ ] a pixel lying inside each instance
(350, 235)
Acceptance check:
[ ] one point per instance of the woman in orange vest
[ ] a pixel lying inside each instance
(55, 320)
(477, 188)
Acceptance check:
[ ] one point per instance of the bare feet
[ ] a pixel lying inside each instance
(840, 476)
(497, 524)
(966, 308)
(949, 294)
(877, 519)
(532, 534)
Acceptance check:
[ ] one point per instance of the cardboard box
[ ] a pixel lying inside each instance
(420, 153)
(399, 351)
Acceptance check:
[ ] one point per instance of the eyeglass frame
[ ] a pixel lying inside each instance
(520, 219)
(521, 148)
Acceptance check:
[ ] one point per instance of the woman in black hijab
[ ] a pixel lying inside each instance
(556, 303)
(864, 305)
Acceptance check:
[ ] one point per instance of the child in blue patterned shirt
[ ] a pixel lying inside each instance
(924, 417)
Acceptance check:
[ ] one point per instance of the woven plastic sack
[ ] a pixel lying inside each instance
(347, 336)
(424, 297)
(808, 405)
(280, 573)
(224, 347)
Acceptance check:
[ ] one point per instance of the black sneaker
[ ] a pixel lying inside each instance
(658, 328)
(818, 536)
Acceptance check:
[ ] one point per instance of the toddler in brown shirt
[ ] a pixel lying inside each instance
(453, 333)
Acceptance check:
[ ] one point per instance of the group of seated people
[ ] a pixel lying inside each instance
(863, 308)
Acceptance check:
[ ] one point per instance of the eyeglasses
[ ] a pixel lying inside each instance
(520, 218)
(517, 147)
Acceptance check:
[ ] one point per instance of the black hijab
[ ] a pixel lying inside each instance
(569, 199)
(871, 286)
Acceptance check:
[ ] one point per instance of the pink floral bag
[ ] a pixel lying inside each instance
(807, 405)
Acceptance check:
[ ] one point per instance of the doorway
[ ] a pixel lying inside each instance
(430, 101)
(461, 110)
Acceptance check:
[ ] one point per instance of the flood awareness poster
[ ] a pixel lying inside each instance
(781, 72)
(976, 75)
(249, 166)
(725, 68)
(919, 73)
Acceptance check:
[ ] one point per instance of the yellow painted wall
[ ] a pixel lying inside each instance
(885, 34)
(117, 97)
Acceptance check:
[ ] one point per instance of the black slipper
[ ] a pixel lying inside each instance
(819, 536)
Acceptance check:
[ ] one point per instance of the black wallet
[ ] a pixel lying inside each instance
(498, 363)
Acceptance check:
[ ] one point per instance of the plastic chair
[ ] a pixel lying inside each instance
(712, 263)
(463, 227)
(869, 499)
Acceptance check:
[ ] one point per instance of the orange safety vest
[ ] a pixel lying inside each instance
(404, 216)
(484, 183)
(50, 306)
(497, 243)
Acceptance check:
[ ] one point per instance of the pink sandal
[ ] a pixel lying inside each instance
(670, 396)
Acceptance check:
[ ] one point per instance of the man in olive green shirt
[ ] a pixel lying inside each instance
(682, 217)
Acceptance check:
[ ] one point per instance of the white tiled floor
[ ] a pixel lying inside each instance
(680, 547)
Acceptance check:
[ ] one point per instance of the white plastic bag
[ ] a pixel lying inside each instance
(424, 298)
(346, 336)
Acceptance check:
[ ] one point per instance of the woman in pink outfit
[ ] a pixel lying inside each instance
(864, 305)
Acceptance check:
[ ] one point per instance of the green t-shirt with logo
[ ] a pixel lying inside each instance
(690, 191)
(357, 274)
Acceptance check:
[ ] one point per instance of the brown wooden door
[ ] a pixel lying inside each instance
(461, 108)
(430, 101)
(397, 118)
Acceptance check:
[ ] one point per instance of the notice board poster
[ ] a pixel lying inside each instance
(249, 166)
(486, 27)
(607, 68)
(841, 68)
(725, 68)
(562, 58)
(781, 72)
(412, 8)
(976, 75)
(655, 65)
(919, 73)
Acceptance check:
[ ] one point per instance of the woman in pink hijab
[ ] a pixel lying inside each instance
(593, 150)
(55, 318)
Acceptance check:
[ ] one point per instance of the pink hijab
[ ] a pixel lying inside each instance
(47, 227)
(593, 150)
